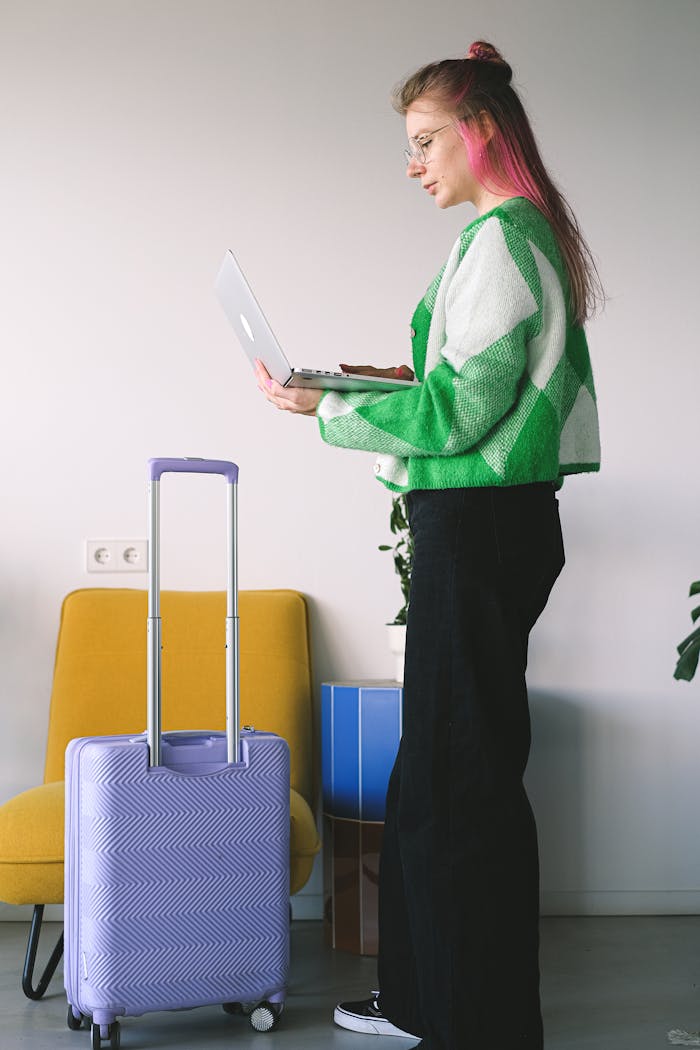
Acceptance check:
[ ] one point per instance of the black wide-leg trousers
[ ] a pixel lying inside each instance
(459, 873)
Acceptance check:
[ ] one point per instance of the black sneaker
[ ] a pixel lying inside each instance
(365, 1016)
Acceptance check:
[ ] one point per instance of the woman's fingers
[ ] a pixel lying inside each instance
(368, 370)
(400, 372)
(269, 386)
(301, 400)
(261, 373)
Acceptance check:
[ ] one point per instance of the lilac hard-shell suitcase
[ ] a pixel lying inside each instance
(177, 848)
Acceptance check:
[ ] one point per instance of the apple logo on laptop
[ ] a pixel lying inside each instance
(248, 329)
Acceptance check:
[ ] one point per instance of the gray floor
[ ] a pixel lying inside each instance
(607, 983)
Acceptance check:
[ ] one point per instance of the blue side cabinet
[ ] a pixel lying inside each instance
(360, 731)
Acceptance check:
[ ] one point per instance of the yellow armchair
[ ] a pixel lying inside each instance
(99, 688)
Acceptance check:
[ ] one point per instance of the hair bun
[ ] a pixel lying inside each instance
(481, 51)
(484, 52)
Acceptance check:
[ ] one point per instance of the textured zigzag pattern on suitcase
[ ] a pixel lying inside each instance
(150, 913)
(164, 976)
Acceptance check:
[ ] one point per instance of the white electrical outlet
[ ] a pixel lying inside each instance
(116, 555)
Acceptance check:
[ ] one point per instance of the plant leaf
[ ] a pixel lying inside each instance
(402, 550)
(689, 652)
(692, 639)
(695, 613)
(694, 588)
(688, 663)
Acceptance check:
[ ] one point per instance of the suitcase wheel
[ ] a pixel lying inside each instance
(232, 1008)
(264, 1017)
(75, 1023)
(101, 1033)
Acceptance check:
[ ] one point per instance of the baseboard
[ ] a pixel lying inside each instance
(620, 902)
(307, 906)
(23, 913)
(552, 902)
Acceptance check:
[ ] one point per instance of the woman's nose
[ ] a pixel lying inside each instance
(414, 168)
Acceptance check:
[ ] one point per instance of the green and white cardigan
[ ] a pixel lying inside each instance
(506, 393)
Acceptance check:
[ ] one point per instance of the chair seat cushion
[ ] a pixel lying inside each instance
(31, 845)
(304, 842)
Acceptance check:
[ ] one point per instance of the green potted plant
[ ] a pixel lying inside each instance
(402, 550)
(688, 653)
(689, 649)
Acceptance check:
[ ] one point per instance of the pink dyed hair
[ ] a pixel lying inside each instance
(478, 90)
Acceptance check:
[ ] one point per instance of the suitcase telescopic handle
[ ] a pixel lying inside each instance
(192, 465)
(156, 468)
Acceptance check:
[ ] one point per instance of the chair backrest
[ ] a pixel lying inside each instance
(99, 685)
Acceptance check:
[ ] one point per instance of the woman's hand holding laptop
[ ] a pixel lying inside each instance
(303, 400)
(400, 372)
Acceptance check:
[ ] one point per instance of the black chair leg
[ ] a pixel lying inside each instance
(30, 958)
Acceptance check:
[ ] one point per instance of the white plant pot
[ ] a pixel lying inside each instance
(397, 645)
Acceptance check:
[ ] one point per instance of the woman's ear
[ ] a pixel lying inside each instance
(487, 128)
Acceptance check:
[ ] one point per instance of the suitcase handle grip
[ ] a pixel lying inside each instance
(192, 465)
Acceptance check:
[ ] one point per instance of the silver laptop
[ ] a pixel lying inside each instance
(258, 340)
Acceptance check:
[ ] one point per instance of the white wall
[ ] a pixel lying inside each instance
(138, 141)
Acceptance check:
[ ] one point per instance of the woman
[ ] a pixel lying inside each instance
(504, 409)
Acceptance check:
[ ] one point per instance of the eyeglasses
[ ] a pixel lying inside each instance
(418, 147)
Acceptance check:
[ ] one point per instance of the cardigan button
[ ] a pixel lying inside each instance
(377, 468)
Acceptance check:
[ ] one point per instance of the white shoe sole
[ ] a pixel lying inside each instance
(368, 1026)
